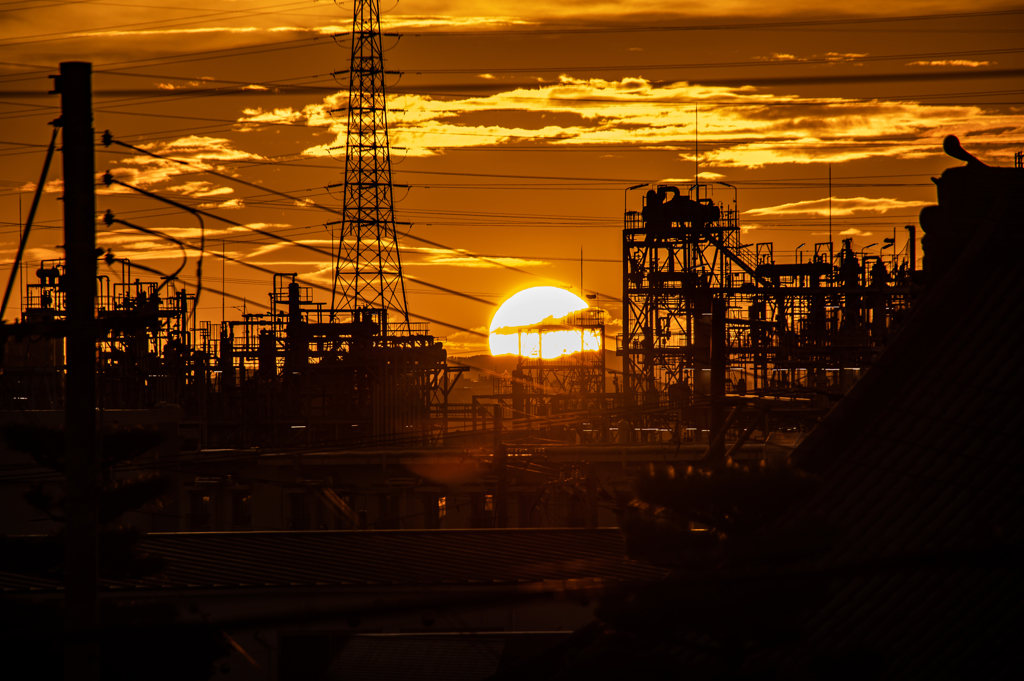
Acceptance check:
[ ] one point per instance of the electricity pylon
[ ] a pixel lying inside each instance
(368, 268)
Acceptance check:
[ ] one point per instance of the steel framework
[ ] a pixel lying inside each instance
(368, 268)
(805, 328)
(287, 376)
(676, 255)
(572, 382)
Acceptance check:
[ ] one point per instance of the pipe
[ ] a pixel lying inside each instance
(912, 246)
(719, 358)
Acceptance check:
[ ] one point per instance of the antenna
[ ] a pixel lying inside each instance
(368, 269)
(21, 269)
(696, 150)
(830, 203)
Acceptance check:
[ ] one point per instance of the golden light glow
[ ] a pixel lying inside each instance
(513, 328)
(634, 110)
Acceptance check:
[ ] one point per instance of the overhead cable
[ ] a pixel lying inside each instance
(31, 217)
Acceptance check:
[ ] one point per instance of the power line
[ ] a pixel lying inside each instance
(307, 283)
(817, 23)
(816, 181)
(271, 235)
(673, 102)
(717, 65)
(161, 23)
(471, 90)
(187, 57)
(864, 78)
(303, 200)
(494, 262)
(51, 4)
(759, 63)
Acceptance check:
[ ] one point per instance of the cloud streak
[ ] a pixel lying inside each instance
(828, 58)
(200, 152)
(953, 62)
(839, 207)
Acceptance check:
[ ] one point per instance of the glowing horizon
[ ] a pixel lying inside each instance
(530, 308)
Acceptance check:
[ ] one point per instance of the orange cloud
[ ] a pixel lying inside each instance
(952, 62)
(839, 207)
(738, 126)
(201, 152)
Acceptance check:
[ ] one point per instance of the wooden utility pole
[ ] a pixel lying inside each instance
(81, 551)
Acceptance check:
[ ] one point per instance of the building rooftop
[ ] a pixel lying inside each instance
(921, 475)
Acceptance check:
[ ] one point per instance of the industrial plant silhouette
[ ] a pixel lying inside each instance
(803, 469)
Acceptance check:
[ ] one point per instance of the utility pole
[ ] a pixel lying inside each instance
(81, 568)
(21, 269)
(590, 470)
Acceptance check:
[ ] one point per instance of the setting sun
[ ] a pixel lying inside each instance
(514, 327)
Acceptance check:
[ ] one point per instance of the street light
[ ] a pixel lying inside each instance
(890, 242)
(735, 197)
(864, 269)
(798, 251)
(625, 194)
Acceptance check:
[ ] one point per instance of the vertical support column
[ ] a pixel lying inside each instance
(81, 659)
(628, 396)
(501, 472)
(625, 318)
(444, 418)
(591, 486)
(911, 246)
(719, 358)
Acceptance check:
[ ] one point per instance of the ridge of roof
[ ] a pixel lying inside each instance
(416, 531)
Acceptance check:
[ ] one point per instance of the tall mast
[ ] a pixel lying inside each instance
(368, 267)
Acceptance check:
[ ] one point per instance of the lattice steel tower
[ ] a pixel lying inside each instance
(368, 268)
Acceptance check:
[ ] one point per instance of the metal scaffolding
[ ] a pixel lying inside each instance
(802, 329)
(286, 377)
(574, 382)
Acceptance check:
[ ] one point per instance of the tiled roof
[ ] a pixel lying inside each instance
(398, 658)
(379, 558)
(921, 468)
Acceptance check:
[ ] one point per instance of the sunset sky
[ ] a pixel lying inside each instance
(516, 126)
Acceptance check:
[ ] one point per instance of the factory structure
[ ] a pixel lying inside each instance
(710, 321)
(294, 375)
(341, 414)
(306, 417)
(333, 492)
(302, 374)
